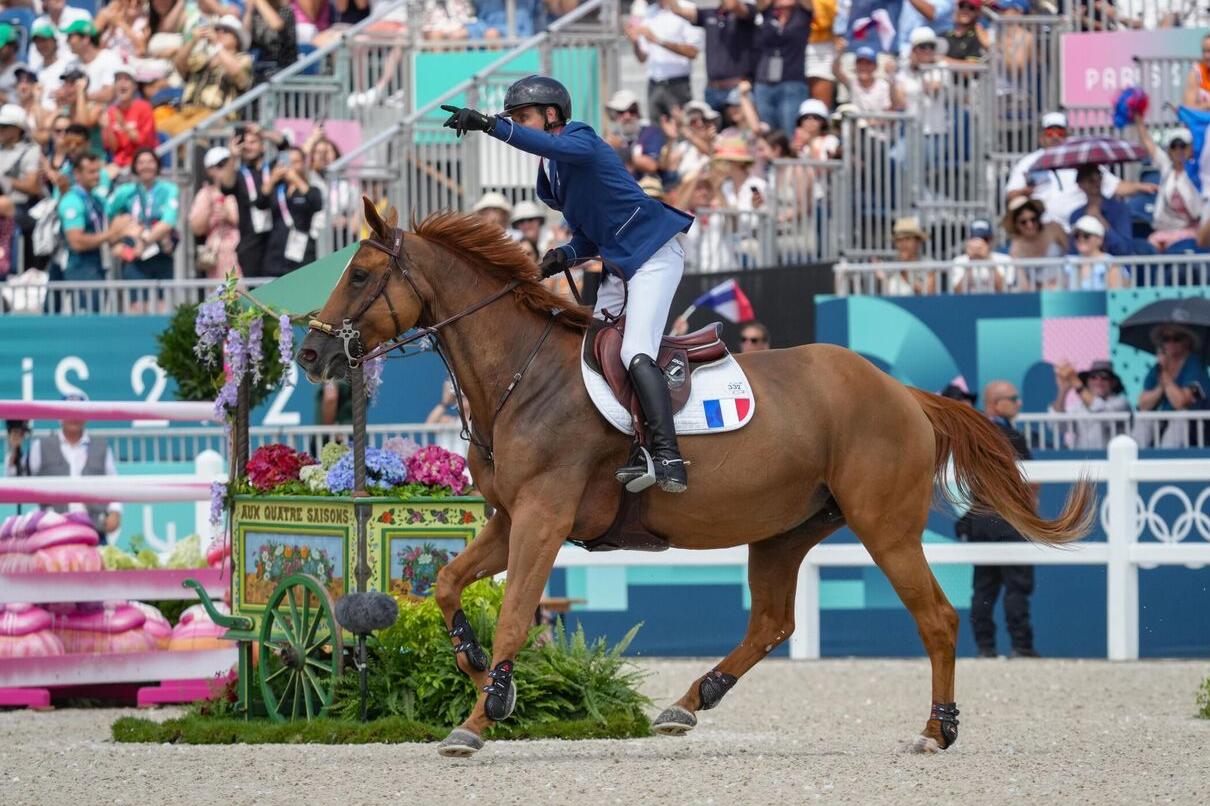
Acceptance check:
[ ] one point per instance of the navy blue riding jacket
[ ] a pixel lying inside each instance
(608, 213)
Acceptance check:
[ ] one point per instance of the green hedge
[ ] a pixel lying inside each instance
(196, 729)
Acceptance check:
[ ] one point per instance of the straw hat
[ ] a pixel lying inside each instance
(493, 201)
(1009, 223)
(909, 227)
(732, 149)
(652, 186)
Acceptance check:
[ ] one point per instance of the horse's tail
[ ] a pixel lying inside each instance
(986, 473)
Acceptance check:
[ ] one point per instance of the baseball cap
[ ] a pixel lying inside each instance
(7, 34)
(981, 228)
(922, 36)
(216, 155)
(1089, 225)
(43, 31)
(866, 53)
(1054, 120)
(84, 27)
(733, 98)
(702, 108)
(813, 106)
(622, 100)
(125, 70)
(73, 73)
(23, 72)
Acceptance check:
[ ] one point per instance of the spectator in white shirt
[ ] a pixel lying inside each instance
(1057, 189)
(667, 44)
(1098, 390)
(979, 270)
(48, 59)
(72, 452)
(97, 62)
(1178, 204)
(922, 81)
(57, 15)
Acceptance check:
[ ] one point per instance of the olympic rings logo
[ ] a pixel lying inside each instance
(1147, 516)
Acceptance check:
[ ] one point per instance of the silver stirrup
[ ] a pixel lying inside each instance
(647, 479)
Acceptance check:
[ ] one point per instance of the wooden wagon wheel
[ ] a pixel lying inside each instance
(301, 650)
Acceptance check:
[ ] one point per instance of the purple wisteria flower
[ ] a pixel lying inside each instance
(210, 326)
(218, 491)
(256, 335)
(236, 353)
(285, 340)
(373, 376)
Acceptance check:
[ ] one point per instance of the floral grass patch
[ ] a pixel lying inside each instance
(197, 729)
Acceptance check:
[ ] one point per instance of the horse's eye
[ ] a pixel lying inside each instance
(359, 276)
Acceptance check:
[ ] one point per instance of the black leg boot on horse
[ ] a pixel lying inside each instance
(665, 457)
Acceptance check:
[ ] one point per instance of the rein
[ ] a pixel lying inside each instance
(349, 334)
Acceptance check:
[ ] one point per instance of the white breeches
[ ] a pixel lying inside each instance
(650, 297)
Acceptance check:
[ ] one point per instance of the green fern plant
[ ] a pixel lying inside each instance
(413, 674)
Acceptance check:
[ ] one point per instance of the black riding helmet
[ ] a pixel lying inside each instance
(538, 91)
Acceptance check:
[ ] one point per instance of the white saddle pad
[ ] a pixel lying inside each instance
(719, 400)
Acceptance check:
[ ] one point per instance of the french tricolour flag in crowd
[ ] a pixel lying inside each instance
(726, 412)
(728, 300)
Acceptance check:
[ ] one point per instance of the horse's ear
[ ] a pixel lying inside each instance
(374, 220)
(392, 218)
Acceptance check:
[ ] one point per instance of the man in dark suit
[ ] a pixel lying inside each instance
(1001, 403)
(609, 216)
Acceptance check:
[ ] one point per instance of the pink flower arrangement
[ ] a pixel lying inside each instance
(437, 467)
(274, 465)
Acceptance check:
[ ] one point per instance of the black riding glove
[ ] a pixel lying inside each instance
(464, 119)
(553, 262)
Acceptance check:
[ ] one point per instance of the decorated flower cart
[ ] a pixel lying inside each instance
(307, 530)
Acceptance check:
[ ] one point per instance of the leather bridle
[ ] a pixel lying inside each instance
(350, 335)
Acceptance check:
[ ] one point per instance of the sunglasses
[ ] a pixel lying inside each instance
(634, 110)
(1177, 144)
(927, 46)
(1167, 337)
(967, 7)
(752, 339)
(1084, 236)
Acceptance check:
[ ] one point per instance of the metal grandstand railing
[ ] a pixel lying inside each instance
(1025, 66)
(925, 277)
(421, 168)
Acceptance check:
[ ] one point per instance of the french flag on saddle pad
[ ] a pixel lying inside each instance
(728, 300)
(726, 412)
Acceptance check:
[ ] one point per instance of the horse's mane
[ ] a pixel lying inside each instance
(498, 255)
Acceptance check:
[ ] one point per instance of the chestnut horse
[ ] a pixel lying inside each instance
(835, 441)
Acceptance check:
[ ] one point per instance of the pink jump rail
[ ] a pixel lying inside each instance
(120, 410)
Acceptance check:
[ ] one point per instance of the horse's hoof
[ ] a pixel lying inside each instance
(674, 721)
(925, 744)
(460, 744)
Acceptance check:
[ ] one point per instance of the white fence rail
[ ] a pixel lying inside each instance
(1125, 517)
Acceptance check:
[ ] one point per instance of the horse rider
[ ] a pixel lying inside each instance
(609, 215)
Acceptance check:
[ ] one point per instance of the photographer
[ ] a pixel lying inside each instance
(294, 203)
(216, 68)
(255, 209)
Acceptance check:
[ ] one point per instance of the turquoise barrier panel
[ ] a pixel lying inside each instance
(576, 67)
(113, 358)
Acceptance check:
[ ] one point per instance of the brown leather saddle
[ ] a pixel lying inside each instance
(679, 358)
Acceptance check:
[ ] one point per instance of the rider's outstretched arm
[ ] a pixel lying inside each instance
(576, 146)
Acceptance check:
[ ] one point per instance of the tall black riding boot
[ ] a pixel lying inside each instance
(654, 400)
